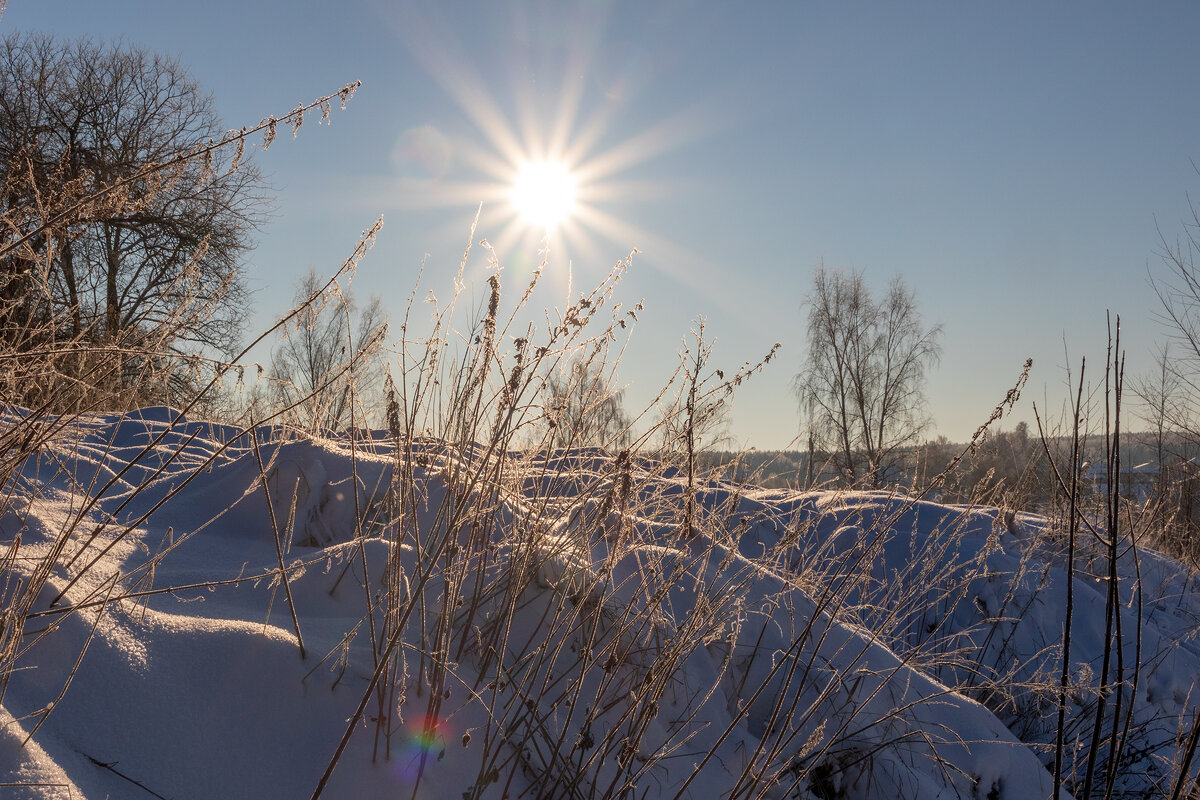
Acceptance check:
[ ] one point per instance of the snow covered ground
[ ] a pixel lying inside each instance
(473, 624)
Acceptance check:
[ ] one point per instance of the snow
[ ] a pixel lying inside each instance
(545, 626)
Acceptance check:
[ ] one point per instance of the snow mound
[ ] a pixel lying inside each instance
(271, 617)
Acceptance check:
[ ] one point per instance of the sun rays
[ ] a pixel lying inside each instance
(552, 158)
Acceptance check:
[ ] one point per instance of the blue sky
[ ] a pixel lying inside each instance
(1013, 162)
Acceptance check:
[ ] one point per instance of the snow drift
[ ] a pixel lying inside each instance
(262, 615)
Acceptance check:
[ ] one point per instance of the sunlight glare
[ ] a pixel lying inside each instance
(544, 193)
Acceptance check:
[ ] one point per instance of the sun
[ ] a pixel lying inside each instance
(552, 176)
(544, 193)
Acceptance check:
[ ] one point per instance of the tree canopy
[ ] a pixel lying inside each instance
(160, 258)
(862, 388)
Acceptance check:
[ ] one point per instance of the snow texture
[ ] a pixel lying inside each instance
(554, 633)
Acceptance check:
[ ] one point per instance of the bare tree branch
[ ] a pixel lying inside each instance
(862, 386)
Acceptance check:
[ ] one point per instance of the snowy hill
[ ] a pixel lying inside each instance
(283, 617)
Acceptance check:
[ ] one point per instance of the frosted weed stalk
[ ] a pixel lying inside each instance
(563, 592)
(54, 376)
(536, 580)
(589, 617)
(1104, 729)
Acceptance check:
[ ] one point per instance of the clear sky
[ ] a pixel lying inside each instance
(1013, 162)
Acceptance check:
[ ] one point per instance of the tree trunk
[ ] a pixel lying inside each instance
(112, 304)
(68, 270)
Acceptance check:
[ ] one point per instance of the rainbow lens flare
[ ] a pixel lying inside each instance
(425, 738)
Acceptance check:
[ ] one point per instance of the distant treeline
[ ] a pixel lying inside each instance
(1008, 467)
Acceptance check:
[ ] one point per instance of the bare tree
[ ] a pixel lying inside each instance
(862, 388)
(1171, 393)
(325, 362)
(76, 116)
(1164, 406)
(583, 408)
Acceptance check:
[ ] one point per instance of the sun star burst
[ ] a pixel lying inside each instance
(544, 193)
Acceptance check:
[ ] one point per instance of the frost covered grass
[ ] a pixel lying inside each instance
(491, 585)
(445, 605)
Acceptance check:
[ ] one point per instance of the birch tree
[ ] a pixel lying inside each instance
(862, 387)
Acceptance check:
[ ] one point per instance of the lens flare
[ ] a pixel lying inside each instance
(424, 742)
(429, 732)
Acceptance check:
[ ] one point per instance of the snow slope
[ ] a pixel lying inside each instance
(565, 625)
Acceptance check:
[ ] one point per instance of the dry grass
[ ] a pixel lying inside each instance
(537, 581)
